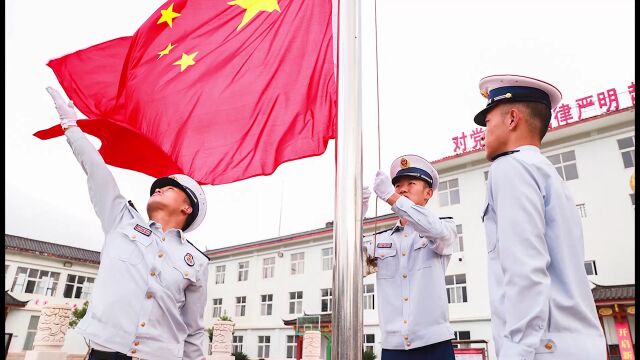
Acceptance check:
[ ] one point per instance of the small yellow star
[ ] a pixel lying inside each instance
(166, 50)
(168, 15)
(186, 61)
(252, 8)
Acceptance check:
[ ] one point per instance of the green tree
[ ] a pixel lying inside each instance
(369, 355)
(240, 356)
(77, 314)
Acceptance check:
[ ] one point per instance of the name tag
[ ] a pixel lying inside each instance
(384, 245)
(142, 230)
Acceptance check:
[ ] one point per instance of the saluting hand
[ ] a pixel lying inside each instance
(67, 112)
(382, 186)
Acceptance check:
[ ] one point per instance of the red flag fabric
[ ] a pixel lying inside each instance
(220, 91)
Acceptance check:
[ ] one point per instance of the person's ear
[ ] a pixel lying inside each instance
(187, 209)
(514, 118)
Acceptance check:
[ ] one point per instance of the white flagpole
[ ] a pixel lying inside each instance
(346, 317)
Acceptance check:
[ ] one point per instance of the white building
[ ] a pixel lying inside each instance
(263, 284)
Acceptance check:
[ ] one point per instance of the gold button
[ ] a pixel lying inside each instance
(149, 296)
(406, 235)
(548, 346)
(134, 351)
(404, 276)
(406, 298)
(186, 274)
(404, 253)
(163, 238)
(406, 338)
(160, 255)
(142, 324)
(153, 273)
(133, 236)
(136, 343)
(408, 343)
(405, 322)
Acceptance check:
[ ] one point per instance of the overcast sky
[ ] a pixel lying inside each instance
(431, 56)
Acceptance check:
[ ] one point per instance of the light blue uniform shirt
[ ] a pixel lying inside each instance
(149, 297)
(541, 304)
(412, 260)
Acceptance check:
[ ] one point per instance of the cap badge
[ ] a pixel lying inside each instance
(507, 95)
(189, 259)
(404, 163)
(484, 93)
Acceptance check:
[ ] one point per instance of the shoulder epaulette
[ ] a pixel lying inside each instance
(132, 206)
(446, 217)
(383, 231)
(200, 251)
(504, 154)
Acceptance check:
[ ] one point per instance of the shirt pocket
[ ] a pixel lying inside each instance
(422, 256)
(387, 263)
(127, 247)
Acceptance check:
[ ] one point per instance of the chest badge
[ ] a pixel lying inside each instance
(189, 259)
(384, 245)
(142, 230)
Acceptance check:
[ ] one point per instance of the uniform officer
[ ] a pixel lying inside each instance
(411, 261)
(150, 293)
(541, 304)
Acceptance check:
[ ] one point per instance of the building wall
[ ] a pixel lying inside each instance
(18, 319)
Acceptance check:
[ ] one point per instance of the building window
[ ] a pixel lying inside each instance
(565, 164)
(325, 300)
(327, 259)
(627, 148)
(243, 271)
(217, 308)
(590, 267)
(291, 346)
(237, 343)
(241, 305)
(295, 302)
(449, 192)
(369, 342)
(34, 281)
(582, 210)
(458, 245)
(297, 263)
(456, 288)
(263, 346)
(266, 304)
(220, 270)
(268, 267)
(368, 302)
(32, 329)
(461, 335)
(78, 287)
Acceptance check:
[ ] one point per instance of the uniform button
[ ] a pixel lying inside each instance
(186, 274)
(541, 326)
(142, 324)
(404, 253)
(548, 346)
(404, 276)
(405, 298)
(406, 338)
(136, 343)
(133, 236)
(405, 322)
(405, 235)
(134, 351)
(163, 238)
(160, 255)
(424, 243)
(149, 296)
(153, 273)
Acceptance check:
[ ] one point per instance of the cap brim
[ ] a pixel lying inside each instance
(482, 115)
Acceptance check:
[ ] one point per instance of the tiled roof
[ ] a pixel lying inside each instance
(615, 292)
(9, 300)
(43, 248)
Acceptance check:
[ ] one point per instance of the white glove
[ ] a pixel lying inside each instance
(382, 186)
(67, 112)
(366, 194)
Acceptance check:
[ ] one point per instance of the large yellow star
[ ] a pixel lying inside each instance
(186, 60)
(168, 15)
(253, 7)
(166, 50)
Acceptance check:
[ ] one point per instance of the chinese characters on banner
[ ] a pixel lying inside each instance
(585, 107)
(624, 339)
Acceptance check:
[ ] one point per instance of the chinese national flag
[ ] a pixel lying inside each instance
(218, 90)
